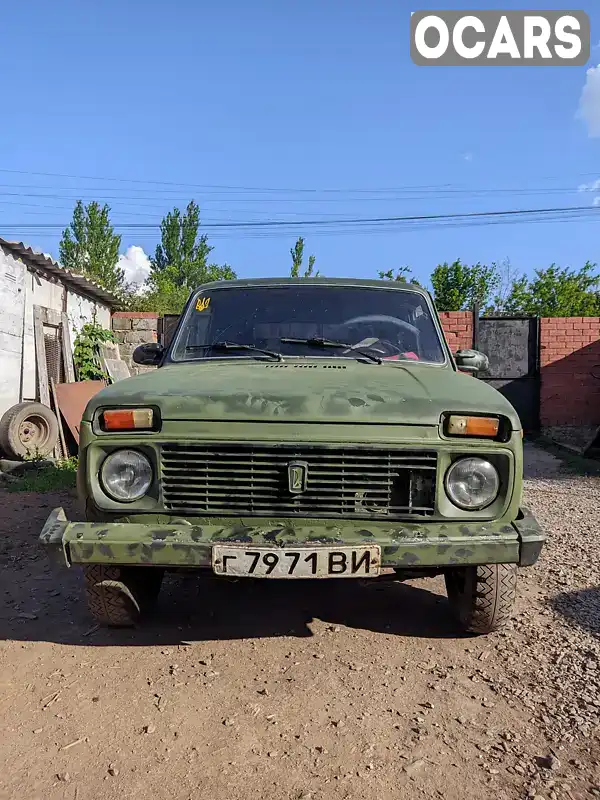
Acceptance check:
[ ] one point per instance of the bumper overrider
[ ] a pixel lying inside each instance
(403, 545)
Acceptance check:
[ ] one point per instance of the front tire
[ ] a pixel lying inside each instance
(118, 596)
(482, 598)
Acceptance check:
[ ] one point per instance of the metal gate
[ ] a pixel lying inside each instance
(512, 346)
(166, 328)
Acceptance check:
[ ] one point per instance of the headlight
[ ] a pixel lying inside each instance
(472, 483)
(126, 475)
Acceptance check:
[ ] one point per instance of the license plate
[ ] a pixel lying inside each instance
(301, 562)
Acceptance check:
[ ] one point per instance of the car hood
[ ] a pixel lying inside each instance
(315, 390)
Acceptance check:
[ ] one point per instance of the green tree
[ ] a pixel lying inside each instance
(180, 264)
(297, 254)
(555, 292)
(458, 287)
(506, 277)
(400, 276)
(89, 246)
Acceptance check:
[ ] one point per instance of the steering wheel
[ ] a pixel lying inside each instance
(399, 323)
(382, 347)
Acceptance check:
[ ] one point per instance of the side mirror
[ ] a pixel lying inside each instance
(471, 361)
(148, 355)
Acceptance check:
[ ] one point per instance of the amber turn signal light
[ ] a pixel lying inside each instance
(473, 426)
(128, 419)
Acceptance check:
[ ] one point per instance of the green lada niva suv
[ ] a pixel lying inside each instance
(301, 429)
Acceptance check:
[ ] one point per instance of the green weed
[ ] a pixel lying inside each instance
(52, 478)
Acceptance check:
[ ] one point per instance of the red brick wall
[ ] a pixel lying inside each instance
(569, 351)
(458, 328)
(135, 315)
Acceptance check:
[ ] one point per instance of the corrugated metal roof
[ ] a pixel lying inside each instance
(45, 262)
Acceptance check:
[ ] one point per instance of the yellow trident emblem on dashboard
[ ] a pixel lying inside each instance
(202, 303)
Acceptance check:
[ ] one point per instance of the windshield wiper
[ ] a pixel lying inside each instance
(235, 346)
(318, 342)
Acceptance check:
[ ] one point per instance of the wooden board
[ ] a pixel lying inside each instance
(40, 355)
(72, 398)
(61, 432)
(116, 368)
(112, 363)
(109, 350)
(50, 317)
(66, 350)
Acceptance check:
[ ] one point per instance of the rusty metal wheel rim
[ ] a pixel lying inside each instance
(34, 432)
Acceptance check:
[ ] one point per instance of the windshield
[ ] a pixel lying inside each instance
(393, 324)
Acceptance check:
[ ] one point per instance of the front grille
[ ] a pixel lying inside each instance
(347, 482)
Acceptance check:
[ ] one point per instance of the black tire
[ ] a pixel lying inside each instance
(482, 598)
(28, 429)
(118, 596)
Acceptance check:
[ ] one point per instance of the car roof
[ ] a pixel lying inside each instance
(366, 283)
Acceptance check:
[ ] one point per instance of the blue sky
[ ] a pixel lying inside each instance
(290, 96)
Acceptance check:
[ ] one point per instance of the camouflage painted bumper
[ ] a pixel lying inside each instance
(404, 545)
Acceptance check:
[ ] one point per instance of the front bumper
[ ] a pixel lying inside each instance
(408, 545)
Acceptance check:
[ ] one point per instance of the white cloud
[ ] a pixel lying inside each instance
(136, 265)
(594, 186)
(589, 102)
(467, 156)
(589, 187)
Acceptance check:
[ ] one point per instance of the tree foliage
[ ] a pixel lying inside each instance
(506, 275)
(551, 292)
(556, 292)
(458, 286)
(89, 246)
(297, 254)
(181, 263)
(401, 276)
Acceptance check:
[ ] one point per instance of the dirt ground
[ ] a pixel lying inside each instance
(272, 691)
